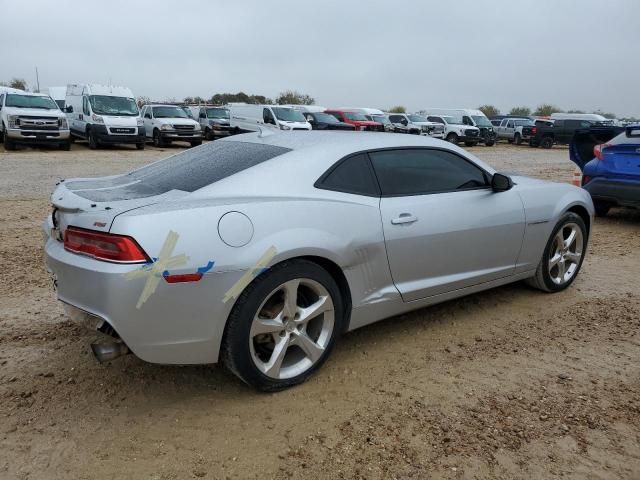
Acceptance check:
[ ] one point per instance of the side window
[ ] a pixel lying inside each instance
(202, 114)
(435, 119)
(267, 116)
(558, 124)
(467, 120)
(337, 115)
(424, 171)
(583, 123)
(510, 124)
(85, 105)
(395, 118)
(352, 175)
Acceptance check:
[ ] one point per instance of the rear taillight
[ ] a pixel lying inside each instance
(534, 130)
(104, 246)
(598, 150)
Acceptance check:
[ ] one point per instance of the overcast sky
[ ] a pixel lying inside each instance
(580, 54)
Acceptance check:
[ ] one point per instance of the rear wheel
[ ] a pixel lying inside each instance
(563, 255)
(517, 139)
(283, 326)
(546, 142)
(533, 143)
(453, 138)
(602, 208)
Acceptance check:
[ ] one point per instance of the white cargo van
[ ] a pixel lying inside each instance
(59, 95)
(251, 118)
(31, 119)
(104, 114)
(470, 117)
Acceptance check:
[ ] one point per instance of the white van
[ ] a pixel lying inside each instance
(31, 119)
(470, 117)
(251, 118)
(59, 95)
(104, 114)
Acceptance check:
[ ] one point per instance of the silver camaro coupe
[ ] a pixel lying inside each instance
(259, 250)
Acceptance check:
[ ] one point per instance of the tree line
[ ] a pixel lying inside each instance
(288, 97)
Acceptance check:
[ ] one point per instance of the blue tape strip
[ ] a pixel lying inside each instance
(201, 270)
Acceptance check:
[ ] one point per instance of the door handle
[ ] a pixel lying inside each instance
(404, 218)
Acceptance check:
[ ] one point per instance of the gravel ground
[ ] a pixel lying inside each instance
(510, 383)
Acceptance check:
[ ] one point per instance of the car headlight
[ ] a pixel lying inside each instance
(14, 121)
(139, 122)
(196, 127)
(285, 127)
(97, 118)
(166, 126)
(62, 123)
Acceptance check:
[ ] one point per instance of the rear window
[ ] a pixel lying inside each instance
(187, 171)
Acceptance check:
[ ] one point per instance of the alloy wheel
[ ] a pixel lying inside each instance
(292, 329)
(565, 253)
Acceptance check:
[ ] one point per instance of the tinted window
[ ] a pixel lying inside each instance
(421, 171)
(187, 171)
(559, 123)
(352, 175)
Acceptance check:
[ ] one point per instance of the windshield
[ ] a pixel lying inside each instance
(108, 105)
(30, 101)
(358, 117)
(380, 118)
(218, 113)
(526, 123)
(288, 114)
(481, 121)
(325, 118)
(417, 118)
(169, 112)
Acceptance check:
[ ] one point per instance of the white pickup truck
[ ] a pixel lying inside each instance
(31, 119)
(516, 130)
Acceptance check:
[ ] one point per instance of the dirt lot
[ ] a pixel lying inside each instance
(510, 383)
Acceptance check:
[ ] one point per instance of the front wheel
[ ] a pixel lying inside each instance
(157, 139)
(518, 139)
(563, 255)
(546, 142)
(208, 134)
(490, 143)
(283, 326)
(453, 138)
(93, 140)
(9, 145)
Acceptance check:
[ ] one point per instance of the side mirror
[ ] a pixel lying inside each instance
(501, 183)
(69, 109)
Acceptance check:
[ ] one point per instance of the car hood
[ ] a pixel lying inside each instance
(34, 112)
(177, 121)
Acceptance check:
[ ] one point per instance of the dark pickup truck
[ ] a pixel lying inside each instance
(560, 133)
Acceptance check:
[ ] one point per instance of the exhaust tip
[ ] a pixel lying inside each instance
(105, 352)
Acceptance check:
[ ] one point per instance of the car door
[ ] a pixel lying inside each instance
(444, 227)
(510, 129)
(84, 116)
(148, 121)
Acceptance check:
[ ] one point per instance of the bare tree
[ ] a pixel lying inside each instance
(547, 109)
(398, 109)
(522, 111)
(489, 110)
(292, 97)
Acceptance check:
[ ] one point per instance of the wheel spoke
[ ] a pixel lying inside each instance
(554, 260)
(559, 240)
(311, 349)
(561, 270)
(266, 325)
(570, 239)
(272, 368)
(290, 298)
(323, 304)
(573, 257)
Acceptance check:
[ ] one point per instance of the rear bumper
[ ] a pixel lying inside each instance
(38, 136)
(178, 324)
(104, 136)
(620, 192)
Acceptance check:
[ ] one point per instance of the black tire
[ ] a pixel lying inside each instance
(517, 139)
(157, 139)
(197, 143)
(490, 143)
(542, 279)
(601, 208)
(509, 140)
(236, 351)
(66, 146)
(72, 139)
(9, 145)
(140, 146)
(93, 139)
(453, 138)
(546, 142)
(533, 143)
(208, 134)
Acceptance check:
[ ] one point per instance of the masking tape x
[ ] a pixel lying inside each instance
(250, 274)
(153, 271)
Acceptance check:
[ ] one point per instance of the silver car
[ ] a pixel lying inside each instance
(261, 249)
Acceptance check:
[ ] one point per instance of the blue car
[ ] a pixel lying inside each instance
(613, 176)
